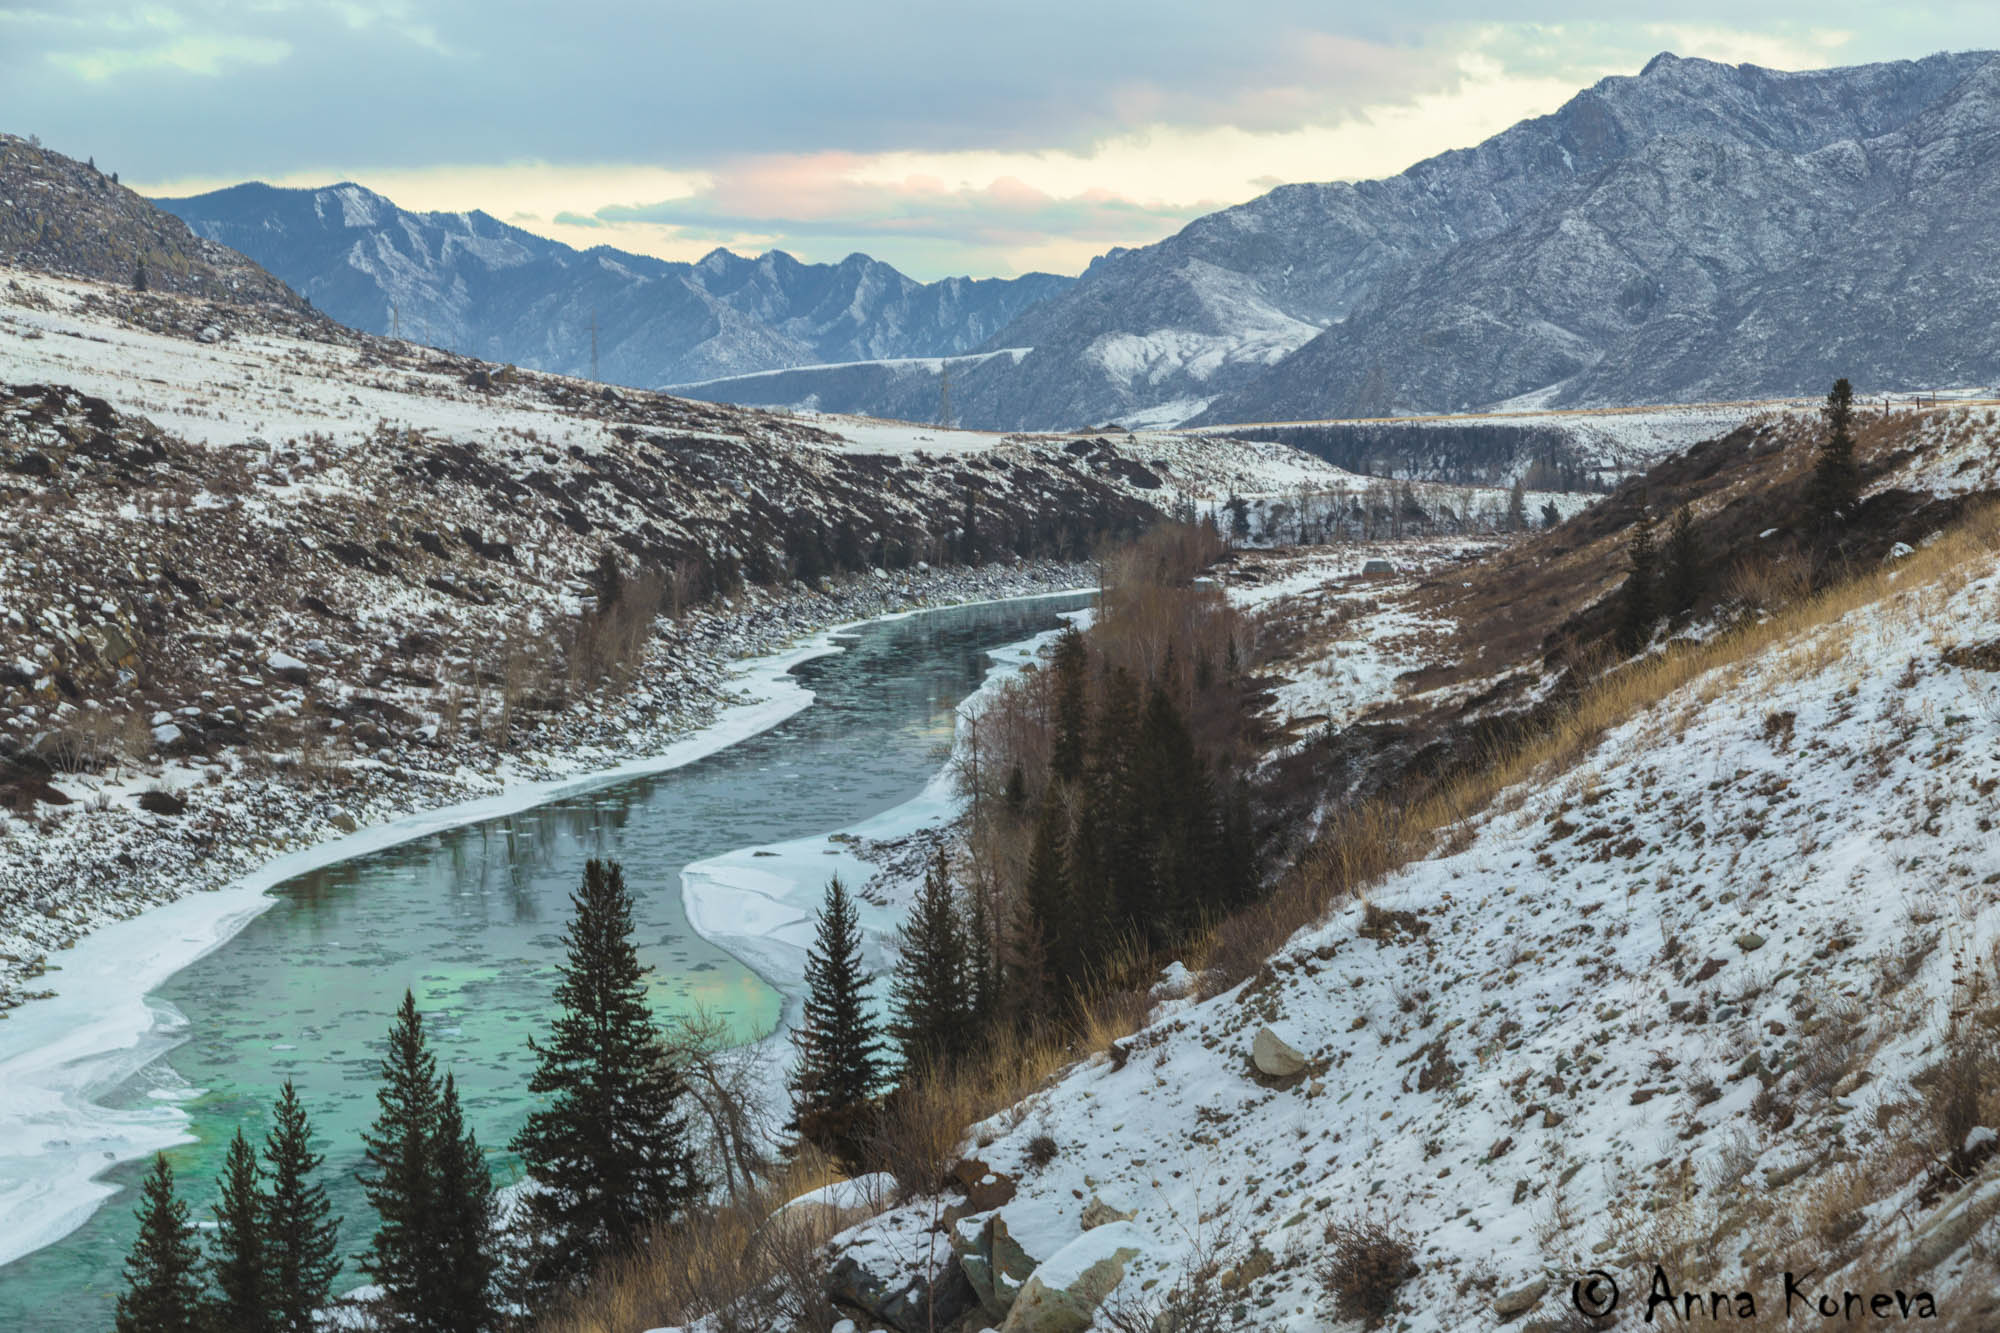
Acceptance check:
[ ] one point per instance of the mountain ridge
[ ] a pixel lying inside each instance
(474, 283)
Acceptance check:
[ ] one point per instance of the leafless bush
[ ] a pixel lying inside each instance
(95, 739)
(722, 1081)
(1367, 1263)
(610, 640)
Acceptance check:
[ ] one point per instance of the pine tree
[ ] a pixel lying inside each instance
(1517, 507)
(1835, 486)
(1172, 810)
(931, 1002)
(162, 1286)
(1238, 510)
(840, 1052)
(1016, 794)
(609, 1151)
(301, 1237)
(1637, 604)
(1045, 938)
(140, 280)
(237, 1262)
(1066, 668)
(402, 1257)
(609, 580)
(459, 1298)
(981, 972)
(1111, 864)
(1686, 575)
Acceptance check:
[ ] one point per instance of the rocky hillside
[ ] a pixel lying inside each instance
(1692, 983)
(58, 215)
(471, 283)
(1705, 264)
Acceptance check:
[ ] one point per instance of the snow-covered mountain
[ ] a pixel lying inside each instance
(1694, 231)
(1709, 262)
(474, 284)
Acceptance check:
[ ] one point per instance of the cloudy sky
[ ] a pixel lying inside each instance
(982, 139)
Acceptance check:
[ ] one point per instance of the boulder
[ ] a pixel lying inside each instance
(1098, 1213)
(1064, 1291)
(985, 1189)
(993, 1263)
(288, 668)
(911, 1305)
(1275, 1056)
(1521, 1299)
(162, 803)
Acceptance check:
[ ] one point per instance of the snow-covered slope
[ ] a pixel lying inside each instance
(1721, 947)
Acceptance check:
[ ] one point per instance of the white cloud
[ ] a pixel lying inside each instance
(208, 56)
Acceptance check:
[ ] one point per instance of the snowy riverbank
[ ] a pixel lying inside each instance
(761, 903)
(93, 1026)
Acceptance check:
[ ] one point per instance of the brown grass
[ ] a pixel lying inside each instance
(731, 1261)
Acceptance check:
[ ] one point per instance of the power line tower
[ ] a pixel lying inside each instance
(395, 321)
(944, 394)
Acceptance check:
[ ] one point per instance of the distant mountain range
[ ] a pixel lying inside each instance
(474, 284)
(1695, 231)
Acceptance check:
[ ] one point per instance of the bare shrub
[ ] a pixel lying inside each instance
(609, 643)
(723, 1081)
(1367, 1263)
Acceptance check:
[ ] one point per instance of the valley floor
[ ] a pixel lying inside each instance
(67, 869)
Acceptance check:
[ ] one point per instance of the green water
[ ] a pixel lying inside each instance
(469, 920)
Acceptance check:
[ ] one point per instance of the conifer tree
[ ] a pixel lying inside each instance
(1172, 809)
(610, 1149)
(1016, 795)
(981, 973)
(301, 1237)
(1685, 578)
(1046, 942)
(1111, 870)
(237, 1261)
(162, 1285)
(931, 1002)
(1517, 507)
(402, 1258)
(1238, 510)
(460, 1297)
(1239, 875)
(1835, 485)
(840, 1050)
(968, 539)
(1072, 717)
(1637, 601)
